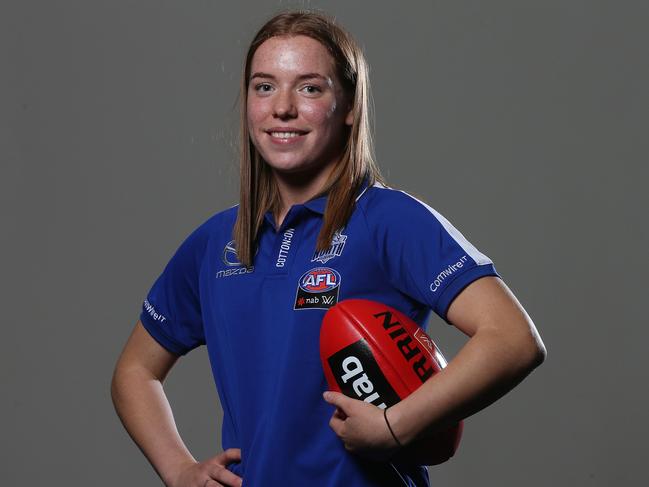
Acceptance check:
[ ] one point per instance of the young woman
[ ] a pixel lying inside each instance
(316, 224)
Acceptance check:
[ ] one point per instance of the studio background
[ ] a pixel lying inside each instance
(524, 123)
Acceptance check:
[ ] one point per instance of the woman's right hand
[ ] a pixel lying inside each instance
(211, 472)
(143, 407)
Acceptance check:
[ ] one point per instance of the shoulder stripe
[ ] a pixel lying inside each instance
(469, 248)
(377, 184)
(362, 193)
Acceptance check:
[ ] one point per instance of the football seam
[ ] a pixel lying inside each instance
(378, 349)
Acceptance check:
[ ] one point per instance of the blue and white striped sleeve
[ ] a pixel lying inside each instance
(421, 252)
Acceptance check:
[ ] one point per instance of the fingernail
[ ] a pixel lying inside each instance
(326, 395)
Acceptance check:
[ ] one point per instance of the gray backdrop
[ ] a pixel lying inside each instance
(524, 123)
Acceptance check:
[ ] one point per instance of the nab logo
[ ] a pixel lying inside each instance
(320, 280)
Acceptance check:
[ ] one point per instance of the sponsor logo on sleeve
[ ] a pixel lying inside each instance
(152, 311)
(450, 270)
(317, 288)
(230, 259)
(336, 248)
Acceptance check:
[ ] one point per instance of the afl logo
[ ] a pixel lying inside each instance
(317, 288)
(319, 280)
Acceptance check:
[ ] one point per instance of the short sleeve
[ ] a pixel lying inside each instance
(421, 252)
(171, 312)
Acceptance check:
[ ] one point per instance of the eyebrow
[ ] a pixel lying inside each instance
(301, 77)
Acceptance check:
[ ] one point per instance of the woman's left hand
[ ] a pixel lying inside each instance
(361, 427)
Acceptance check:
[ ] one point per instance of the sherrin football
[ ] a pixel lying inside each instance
(375, 353)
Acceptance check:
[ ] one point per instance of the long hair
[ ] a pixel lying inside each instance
(258, 191)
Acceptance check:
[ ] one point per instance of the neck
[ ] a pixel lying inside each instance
(297, 188)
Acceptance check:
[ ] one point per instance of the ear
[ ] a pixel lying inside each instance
(349, 119)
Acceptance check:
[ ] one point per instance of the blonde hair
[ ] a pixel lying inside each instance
(258, 191)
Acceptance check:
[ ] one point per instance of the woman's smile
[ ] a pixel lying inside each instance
(286, 135)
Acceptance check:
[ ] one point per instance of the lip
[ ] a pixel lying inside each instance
(291, 140)
(286, 129)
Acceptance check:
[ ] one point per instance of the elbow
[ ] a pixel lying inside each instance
(115, 387)
(532, 349)
(525, 356)
(541, 354)
(119, 384)
(536, 357)
(526, 351)
(535, 352)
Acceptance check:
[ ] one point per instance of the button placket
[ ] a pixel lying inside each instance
(286, 242)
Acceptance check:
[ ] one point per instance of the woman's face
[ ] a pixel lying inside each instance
(296, 110)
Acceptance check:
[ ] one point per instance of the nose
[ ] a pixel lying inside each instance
(284, 107)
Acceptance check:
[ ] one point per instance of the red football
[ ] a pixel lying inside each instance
(373, 352)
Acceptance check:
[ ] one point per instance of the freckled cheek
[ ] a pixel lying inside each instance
(256, 112)
(318, 113)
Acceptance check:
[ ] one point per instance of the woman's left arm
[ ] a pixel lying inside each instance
(503, 349)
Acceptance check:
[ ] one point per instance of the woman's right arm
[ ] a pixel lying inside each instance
(143, 407)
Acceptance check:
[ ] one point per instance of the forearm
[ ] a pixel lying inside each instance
(487, 367)
(144, 410)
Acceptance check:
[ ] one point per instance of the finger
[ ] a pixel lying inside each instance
(224, 476)
(212, 483)
(336, 398)
(225, 458)
(340, 414)
(228, 456)
(336, 424)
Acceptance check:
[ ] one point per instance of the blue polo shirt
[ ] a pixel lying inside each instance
(261, 324)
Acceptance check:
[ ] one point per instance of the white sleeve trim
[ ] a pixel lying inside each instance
(474, 253)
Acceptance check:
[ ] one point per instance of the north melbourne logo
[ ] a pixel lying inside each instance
(336, 248)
